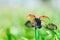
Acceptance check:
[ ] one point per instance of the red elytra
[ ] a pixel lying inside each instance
(31, 16)
(43, 17)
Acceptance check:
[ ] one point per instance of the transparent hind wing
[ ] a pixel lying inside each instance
(51, 26)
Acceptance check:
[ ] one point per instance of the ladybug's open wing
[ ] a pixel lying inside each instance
(43, 17)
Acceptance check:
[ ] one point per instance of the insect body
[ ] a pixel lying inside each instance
(36, 21)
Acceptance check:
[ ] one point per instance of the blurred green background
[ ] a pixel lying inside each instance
(13, 17)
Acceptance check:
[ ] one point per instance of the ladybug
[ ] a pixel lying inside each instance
(36, 22)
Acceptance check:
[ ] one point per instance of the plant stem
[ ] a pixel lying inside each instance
(37, 34)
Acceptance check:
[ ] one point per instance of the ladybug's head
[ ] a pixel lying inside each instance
(30, 16)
